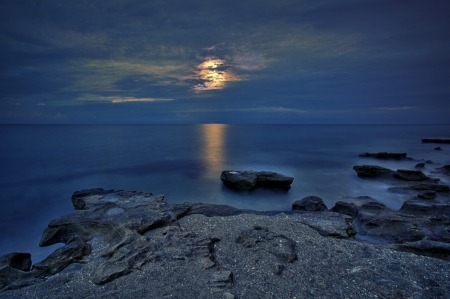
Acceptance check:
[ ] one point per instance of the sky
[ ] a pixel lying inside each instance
(217, 61)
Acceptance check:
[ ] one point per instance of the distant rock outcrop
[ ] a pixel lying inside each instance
(248, 180)
(385, 155)
(436, 140)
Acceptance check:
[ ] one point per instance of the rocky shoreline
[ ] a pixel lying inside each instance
(126, 244)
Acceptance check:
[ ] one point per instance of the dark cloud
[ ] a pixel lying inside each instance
(243, 61)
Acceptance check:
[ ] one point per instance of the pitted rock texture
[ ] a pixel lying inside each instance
(134, 245)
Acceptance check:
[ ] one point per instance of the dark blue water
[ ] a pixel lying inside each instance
(42, 165)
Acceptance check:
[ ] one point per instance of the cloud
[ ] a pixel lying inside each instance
(127, 100)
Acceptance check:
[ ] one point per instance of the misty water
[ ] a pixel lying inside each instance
(42, 165)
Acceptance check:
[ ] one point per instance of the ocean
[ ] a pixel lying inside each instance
(42, 165)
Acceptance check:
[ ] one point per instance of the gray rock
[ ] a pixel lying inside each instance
(248, 180)
(309, 203)
(444, 169)
(438, 149)
(16, 260)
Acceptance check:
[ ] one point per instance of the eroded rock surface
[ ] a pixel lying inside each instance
(120, 244)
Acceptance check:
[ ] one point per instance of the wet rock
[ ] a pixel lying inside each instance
(426, 247)
(345, 208)
(372, 206)
(420, 165)
(372, 171)
(438, 149)
(309, 203)
(411, 175)
(385, 155)
(248, 180)
(432, 187)
(427, 195)
(444, 169)
(416, 206)
(436, 140)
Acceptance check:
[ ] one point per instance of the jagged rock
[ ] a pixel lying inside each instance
(135, 245)
(372, 171)
(309, 203)
(385, 155)
(16, 260)
(248, 180)
(436, 140)
(432, 187)
(411, 175)
(345, 208)
(444, 169)
(420, 165)
(427, 195)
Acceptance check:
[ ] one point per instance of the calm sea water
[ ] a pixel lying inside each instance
(42, 165)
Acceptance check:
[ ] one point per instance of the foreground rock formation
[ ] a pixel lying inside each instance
(248, 180)
(131, 244)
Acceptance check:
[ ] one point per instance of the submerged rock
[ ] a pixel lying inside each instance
(248, 180)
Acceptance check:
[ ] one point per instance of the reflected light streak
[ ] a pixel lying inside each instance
(213, 75)
(214, 146)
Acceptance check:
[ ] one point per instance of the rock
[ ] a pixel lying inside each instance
(426, 247)
(420, 165)
(260, 238)
(373, 205)
(57, 261)
(411, 175)
(16, 260)
(436, 140)
(433, 187)
(429, 162)
(444, 169)
(372, 171)
(240, 180)
(420, 207)
(248, 180)
(385, 155)
(427, 195)
(438, 149)
(345, 208)
(330, 224)
(125, 244)
(309, 203)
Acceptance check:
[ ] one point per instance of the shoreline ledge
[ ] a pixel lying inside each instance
(119, 244)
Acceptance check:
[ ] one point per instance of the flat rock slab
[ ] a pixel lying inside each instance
(248, 180)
